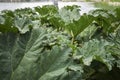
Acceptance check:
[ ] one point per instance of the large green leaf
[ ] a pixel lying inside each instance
(35, 55)
(22, 24)
(78, 26)
(70, 13)
(96, 50)
(10, 44)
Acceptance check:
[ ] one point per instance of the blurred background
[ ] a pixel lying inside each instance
(53, 0)
(86, 5)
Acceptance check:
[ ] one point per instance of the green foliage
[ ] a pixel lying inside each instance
(76, 27)
(47, 43)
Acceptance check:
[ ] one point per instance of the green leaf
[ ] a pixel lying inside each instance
(6, 24)
(69, 14)
(29, 57)
(23, 24)
(105, 20)
(78, 26)
(96, 50)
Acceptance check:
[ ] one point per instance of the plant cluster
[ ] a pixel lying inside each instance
(47, 43)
